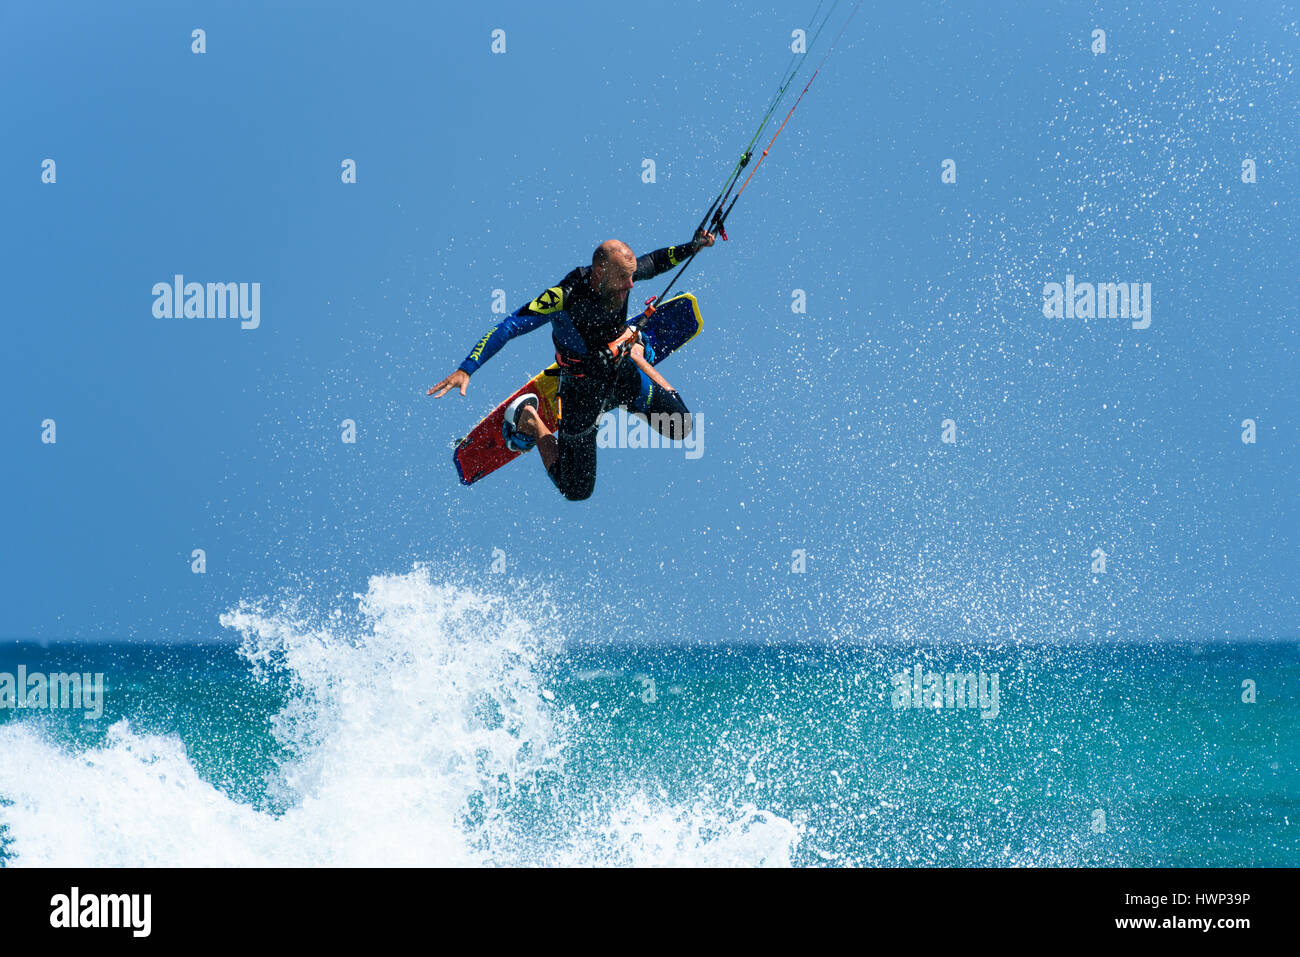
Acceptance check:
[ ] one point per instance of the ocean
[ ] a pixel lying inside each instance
(429, 723)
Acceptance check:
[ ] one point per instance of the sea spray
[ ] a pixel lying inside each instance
(419, 731)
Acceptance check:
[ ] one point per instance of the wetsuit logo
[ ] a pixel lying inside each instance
(478, 349)
(550, 301)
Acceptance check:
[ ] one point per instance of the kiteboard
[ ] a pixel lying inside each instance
(484, 449)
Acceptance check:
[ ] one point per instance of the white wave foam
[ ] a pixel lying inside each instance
(419, 737)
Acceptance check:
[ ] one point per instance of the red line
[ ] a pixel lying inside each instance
(796, 102)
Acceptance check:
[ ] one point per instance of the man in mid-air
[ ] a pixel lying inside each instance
(587, 310)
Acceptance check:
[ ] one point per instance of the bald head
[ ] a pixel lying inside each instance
(612, 270)
(612, 249)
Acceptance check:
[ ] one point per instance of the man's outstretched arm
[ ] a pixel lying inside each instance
(516, 324)
(523, 320)
(662, 260)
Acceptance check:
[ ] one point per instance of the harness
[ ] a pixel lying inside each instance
(600, 365)
(600, 362)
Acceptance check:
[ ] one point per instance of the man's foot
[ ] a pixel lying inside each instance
(517, 427)
(531, 425)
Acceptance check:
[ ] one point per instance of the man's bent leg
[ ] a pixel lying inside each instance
(574, 471)
(569, 453)
(663, 409)
(531, 424)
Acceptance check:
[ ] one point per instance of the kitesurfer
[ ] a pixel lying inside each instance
(587, 310)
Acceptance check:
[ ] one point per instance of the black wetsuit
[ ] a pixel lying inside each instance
(581, 326)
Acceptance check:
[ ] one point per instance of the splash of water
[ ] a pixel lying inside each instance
(419, 733)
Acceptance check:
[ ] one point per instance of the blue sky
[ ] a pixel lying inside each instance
(822, 431)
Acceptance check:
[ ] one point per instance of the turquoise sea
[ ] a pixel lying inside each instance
(434, 724)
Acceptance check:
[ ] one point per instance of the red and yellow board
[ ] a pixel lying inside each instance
(483, 450)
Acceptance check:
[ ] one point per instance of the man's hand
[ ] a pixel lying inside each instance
(459, 378)
(703, 238)
(638, 356)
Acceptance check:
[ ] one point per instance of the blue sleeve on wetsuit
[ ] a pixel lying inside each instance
(513, 325)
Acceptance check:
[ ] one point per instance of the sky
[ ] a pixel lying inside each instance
(824, 504)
